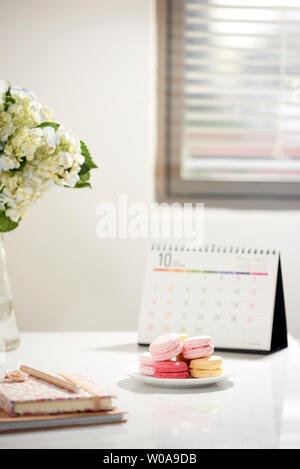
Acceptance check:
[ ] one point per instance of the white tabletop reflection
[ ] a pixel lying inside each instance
(258, 407)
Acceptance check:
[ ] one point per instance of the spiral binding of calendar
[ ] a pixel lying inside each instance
(211, 248)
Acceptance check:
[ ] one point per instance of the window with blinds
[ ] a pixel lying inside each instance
(241, 63)
(233, 89)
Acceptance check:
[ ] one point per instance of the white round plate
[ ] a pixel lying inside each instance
(175, 383)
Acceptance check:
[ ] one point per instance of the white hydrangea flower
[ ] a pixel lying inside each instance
(27, 110)
(51, 158)
(6, 163)
(7, 127)
(33, 157)
(51, 137)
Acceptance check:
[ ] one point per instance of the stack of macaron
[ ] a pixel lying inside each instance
(160, 362)
(175, 356)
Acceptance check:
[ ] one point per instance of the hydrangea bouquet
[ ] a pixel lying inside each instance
(35, 154)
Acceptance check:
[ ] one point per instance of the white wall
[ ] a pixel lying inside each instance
(90, 61)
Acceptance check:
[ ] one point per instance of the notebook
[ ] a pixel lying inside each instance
(35, 396)
(233, 294)
(10, 423)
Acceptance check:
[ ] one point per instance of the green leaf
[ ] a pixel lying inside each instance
(85, 177)
(6, 224)
(83, 182)
(82, 185)
(49, 124)
(84, 172)
(88, 161)
(23, 161)
(8, 100)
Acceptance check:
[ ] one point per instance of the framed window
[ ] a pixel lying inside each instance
(228, 100)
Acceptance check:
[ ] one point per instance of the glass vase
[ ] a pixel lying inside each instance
(9, 333)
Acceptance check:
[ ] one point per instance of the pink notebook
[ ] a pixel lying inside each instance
(35, 396)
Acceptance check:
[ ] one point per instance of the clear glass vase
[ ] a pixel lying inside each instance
(9, 333)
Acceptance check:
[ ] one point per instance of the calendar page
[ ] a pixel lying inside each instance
(228, 293)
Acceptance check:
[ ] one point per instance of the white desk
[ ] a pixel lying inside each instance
(259, 407)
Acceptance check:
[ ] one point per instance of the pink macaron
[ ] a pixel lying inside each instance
(198, 347)
(171, 369)
(146, 364)
(166, 347)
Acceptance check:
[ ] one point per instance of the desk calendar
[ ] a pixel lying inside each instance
(233, 294)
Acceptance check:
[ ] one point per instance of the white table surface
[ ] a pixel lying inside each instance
(258, 407)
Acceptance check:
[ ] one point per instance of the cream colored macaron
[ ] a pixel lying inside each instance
(183, 337)
(206, 367)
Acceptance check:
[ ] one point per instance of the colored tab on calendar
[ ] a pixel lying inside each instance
(220, 272)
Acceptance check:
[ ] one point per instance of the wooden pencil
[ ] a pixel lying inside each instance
(49, 378)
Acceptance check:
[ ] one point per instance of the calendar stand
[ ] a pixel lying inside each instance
(279, 332)
(176, 277)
